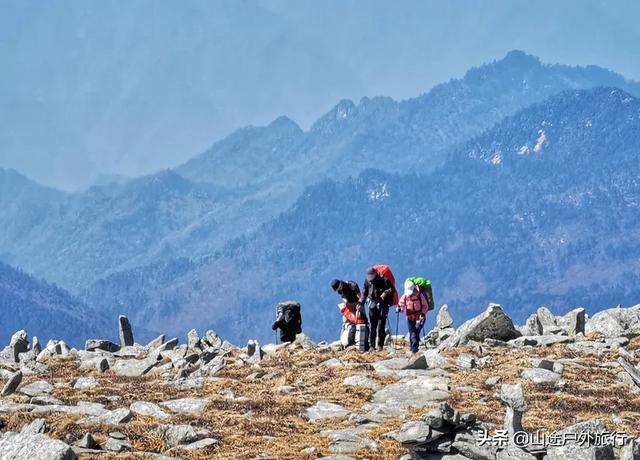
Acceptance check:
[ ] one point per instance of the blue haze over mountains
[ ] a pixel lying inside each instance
(516, 184)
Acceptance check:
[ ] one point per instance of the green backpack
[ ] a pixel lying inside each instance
(425, 285)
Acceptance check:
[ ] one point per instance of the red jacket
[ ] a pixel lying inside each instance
(348, 310)
(415, 306)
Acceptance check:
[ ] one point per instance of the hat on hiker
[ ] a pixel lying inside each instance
(409, 287)
(372, 274)
(335, 284)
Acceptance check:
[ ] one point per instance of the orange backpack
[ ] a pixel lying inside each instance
(385, 272)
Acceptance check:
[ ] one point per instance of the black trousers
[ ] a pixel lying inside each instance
(378, 321)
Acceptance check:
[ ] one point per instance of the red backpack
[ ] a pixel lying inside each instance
(385, 272)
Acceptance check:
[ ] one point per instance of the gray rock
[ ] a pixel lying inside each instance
(631, 370)
(361, 381)
(493, 381)
(193, 339)
(22, 446)
(469, 449)
(101, 344)
(213, 339)
(201, 444)
(547, 320)
(116, 445)
(12, 384)
(212, 367)
(35, 345)
(541, 376)
(532, 326)
(615, 322)
(155, 343)
(332, 362)
(254, 351)
(193, 406)
(574, 451)
(513, 397)
(19, 344)
(147, 409)
(285, 389)
(444, 319)
(124, 331)
(176, 435)
(346, 441)
(631, 450)
(323, 410)
(492, 324)
(134, 367)
(540, 340)
(85, 383)
(112, 417)
(88, 442)
(416, 432)
(37, 388)
(466, 361)
(575, 322)
(417, 392)
(37, 426)
(45, 400)
(420, 362)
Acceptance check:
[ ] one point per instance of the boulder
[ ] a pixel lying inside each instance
(88, 442)
(147, 409)
(134, 367)
(201, 444)
(361, 381)
(466, 361)
(111, 417)
(323, 410)
(37, 426)
(85, 383)
(513, 397)
(573, 450)
(19, 344)
(37, 388)
(100, 344)
(492, 324)
(444, 319)
(532, 326)
(548, 321)
(192, 406)
(631, 450)
(193, 339)
(541, 376)
(575, 322)
(12, 384)
(21, 446)
(176, 435)
(615, 322)
(631, 370)
(125, 332)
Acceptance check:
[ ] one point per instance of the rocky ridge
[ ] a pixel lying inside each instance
(207, 398)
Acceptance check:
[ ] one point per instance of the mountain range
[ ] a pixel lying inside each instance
(514, 184)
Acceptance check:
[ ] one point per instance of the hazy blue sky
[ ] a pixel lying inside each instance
(92, 87)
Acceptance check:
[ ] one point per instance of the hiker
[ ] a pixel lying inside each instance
(381, 294)
(355, 329)
(288, 320)
(416, 301)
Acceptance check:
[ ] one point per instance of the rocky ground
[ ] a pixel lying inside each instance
(209, 399)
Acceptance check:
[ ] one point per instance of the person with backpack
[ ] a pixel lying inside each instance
(355, 329)
(380, 292)
(416, 301)
(288, 320)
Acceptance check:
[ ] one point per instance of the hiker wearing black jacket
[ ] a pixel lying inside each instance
(379, 292)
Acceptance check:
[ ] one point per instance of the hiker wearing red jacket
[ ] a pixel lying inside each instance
(415, 303)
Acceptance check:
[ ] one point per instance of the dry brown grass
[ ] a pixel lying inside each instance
(267, 421)
(591, 391)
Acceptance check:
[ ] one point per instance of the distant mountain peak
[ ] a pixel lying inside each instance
(284, 123)
(341, 112)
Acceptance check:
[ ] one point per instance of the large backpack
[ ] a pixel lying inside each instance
(425, 285)
(385, 272)
(290, 313)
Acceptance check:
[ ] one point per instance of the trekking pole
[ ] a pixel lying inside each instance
(397, 323)
(393, 340)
